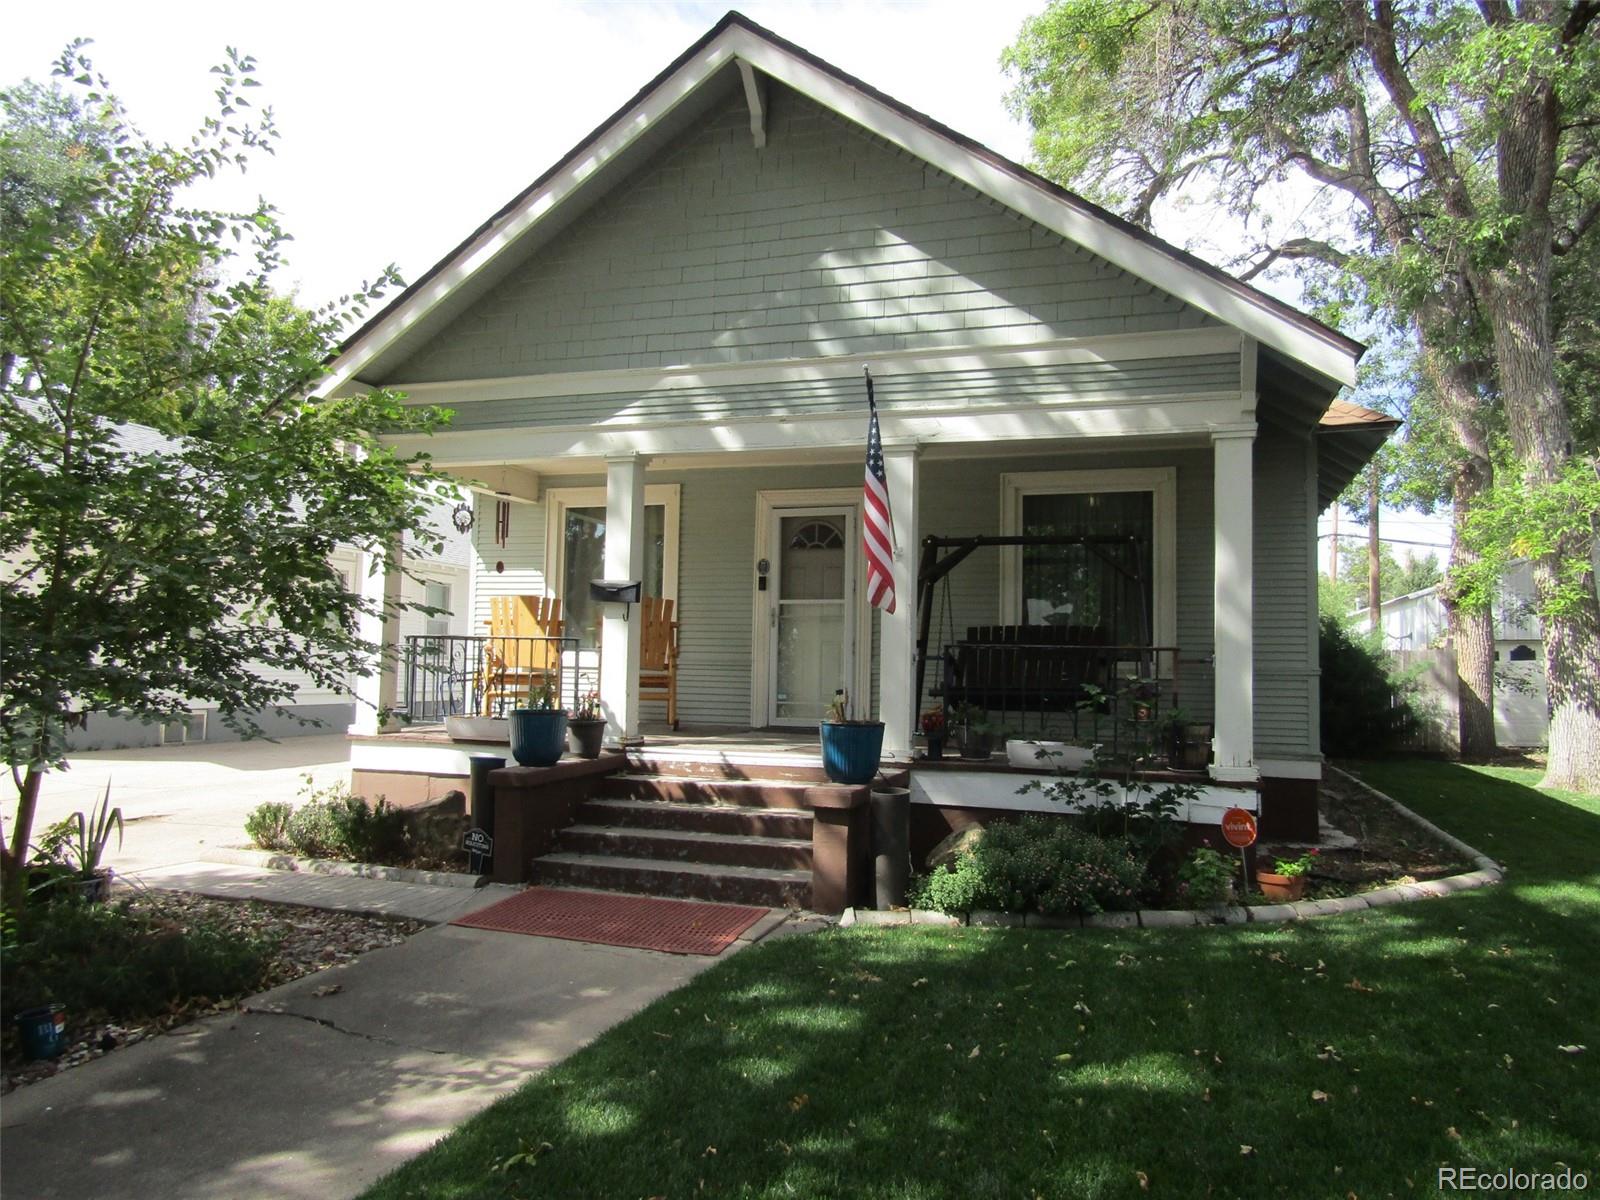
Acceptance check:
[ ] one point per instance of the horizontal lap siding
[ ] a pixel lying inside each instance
(948, 390)
(827, 242)
(1285, 685)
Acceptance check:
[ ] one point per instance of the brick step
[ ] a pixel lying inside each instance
(797, 770)
(698, 818)
(741, 793)
(677, 844)
(696, 881)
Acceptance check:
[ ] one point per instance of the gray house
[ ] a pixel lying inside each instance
(663, 337)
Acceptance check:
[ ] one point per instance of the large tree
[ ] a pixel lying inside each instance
(171, 491)
(1453, 149)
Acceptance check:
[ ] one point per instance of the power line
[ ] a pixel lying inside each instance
(1391, 541)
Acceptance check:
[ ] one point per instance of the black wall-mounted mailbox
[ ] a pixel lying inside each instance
(616, 591)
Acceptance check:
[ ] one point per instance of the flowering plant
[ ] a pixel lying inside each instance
(1296, 866)
(588, 708)
(932, 722)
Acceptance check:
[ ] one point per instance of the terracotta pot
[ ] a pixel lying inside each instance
(1281, 887)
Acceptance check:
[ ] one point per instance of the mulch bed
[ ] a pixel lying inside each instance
(1390, 848)
(309, 939)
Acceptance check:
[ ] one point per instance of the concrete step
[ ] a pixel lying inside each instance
(697, 881)
(795, 768)
(741, 793)
(699, 818)
(682, 845)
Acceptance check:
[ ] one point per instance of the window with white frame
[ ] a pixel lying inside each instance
(1111, 577)
(575, 535)
(437, 595)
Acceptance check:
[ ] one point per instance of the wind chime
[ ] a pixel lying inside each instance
(502, 522)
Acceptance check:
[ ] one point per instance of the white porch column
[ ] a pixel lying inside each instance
(621, 625)
(897, 676)
(1233, 610)
(378, 581)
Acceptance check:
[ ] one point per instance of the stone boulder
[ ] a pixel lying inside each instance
(954, 846)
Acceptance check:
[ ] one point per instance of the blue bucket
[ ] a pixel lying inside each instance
(850, 753)
(43, 1030)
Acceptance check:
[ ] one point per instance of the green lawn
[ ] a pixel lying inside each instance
(1341, 1056)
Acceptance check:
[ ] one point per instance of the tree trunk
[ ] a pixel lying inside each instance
(1518, 301)
(14, 851)
(1471, 630)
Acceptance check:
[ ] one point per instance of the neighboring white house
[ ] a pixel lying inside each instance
(442, 580)
(1419, 621)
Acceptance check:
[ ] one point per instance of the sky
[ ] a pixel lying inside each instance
(405, 125)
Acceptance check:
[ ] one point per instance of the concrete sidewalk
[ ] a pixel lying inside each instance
(341, 893)
(324, 1084)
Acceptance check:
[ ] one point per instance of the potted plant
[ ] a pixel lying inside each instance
(933, 727)
(586, 728)
(539, 731)
(77, 843)
(850, 748)
(977, 732)
(1074, 754)
(1288, 878)
(1188, 742)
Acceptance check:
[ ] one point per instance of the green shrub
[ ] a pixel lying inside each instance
(268, 825)
(314, 829)
(1367, 707)
(111, 959)
(1205, 879)
(371, 833)
(1038, 864)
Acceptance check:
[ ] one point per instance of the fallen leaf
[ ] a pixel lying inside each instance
(1453, 1134)
(1083, 1008)
(710, 1151)
(1355, 985)
(918, 982)
(1144, 1180)
(1063, 1058)
(974, 1053)
(329, 990)
(796, 1103)
(1247, 1151)
(1572, 1049)
(1320, 1097)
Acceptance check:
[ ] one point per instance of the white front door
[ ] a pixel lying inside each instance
(811, 607)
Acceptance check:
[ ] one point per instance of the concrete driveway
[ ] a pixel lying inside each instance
(179, 801)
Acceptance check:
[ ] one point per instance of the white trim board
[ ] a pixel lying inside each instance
(1165, 267)
(1105, 348)
(1166, 417)
(981, 789)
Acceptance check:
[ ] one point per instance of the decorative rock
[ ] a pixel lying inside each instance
(1389, 895)
(847, 918)
(925, 916)
(982, 917)
(1333, 907)
(1155, 918)
(871, 916)
(1048, 921)
(1267, 914)
(954, 846)
(1230, 914)
(1111, 920)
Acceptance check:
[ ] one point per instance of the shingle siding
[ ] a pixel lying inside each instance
(829, 241)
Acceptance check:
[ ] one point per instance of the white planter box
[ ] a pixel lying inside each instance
(478, 729)
(1048, 756)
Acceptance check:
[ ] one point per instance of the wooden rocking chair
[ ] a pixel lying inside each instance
(511, 669)
(658, 655)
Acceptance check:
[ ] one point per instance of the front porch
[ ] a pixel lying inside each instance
(717, 813)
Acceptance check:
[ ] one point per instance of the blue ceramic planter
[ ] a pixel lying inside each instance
(538, 736)
(850, 752)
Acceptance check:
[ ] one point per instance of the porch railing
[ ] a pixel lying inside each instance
(480, 675)
(1019, 683)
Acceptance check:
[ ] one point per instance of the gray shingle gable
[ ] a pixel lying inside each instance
(827, 242)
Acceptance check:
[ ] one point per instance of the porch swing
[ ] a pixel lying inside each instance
(1047, 678)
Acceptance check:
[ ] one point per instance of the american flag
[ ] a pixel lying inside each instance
(877, 526)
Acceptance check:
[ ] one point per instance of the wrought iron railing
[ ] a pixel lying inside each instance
(1016, 683)
(481, 675)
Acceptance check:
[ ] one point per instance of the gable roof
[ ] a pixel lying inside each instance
(709, 69)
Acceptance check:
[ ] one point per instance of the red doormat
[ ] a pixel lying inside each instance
(612, 919)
